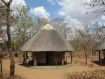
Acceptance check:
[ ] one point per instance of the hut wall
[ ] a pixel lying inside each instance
(55, 58)
(49, 58)
(41, 58)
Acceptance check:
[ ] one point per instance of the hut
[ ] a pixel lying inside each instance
(48, 47)
(100, 47)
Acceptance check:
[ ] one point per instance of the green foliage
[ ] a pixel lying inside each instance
(25, 27)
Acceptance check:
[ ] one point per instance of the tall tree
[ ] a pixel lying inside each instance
(12, 60)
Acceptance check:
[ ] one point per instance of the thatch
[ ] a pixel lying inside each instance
(100, 46)
(47, 39)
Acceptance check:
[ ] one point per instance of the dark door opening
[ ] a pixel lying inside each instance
(49, 58)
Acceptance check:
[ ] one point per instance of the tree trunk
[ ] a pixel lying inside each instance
(92, 59)
(9, 45)
(8, 29)
(86, 58)
(12, 60)
(12, 66)
(1, 71)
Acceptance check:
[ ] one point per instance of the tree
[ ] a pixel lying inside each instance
(84, 42)
(62, 27)
(25, 27)
(12, 60)
(39, 23)
(97, 6)
(2, 22)
(22, 27)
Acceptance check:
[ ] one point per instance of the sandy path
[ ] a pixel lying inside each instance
(46, 73)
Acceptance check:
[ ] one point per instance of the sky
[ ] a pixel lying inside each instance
(53, 8)
(73, 11)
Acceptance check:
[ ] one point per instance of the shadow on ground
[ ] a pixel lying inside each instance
(102, 63)
(46, 66)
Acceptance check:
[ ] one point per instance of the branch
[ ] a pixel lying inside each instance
(96, 11)
(7, 3)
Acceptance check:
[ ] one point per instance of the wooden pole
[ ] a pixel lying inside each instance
(1, 74)
(24, 58)
(35, 59)
(99, 56)
(71, 57)
(86, 58)
(26, 55)
(66, 57)
(62, 58)
(104, 54)
(56, 59)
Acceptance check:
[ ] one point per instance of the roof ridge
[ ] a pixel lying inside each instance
(48, 27)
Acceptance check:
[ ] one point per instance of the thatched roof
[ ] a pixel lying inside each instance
(47, 39)
(100, 46)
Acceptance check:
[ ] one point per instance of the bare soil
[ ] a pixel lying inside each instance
(52, 72)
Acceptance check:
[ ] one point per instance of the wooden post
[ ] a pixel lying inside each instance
(99, 56)
(56, 59)
(1, 71)
(24, 58)
(66, 57)
(104, 54)
(71, 57)
(35, 59)
(27, 57)
(62, 58)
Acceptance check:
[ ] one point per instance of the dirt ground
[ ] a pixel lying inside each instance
(48, 72)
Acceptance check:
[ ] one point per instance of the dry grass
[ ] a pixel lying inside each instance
(5, 76)
(78, 67)
(87, 75)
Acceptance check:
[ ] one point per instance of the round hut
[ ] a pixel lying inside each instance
(48, 47)
(100, 47)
